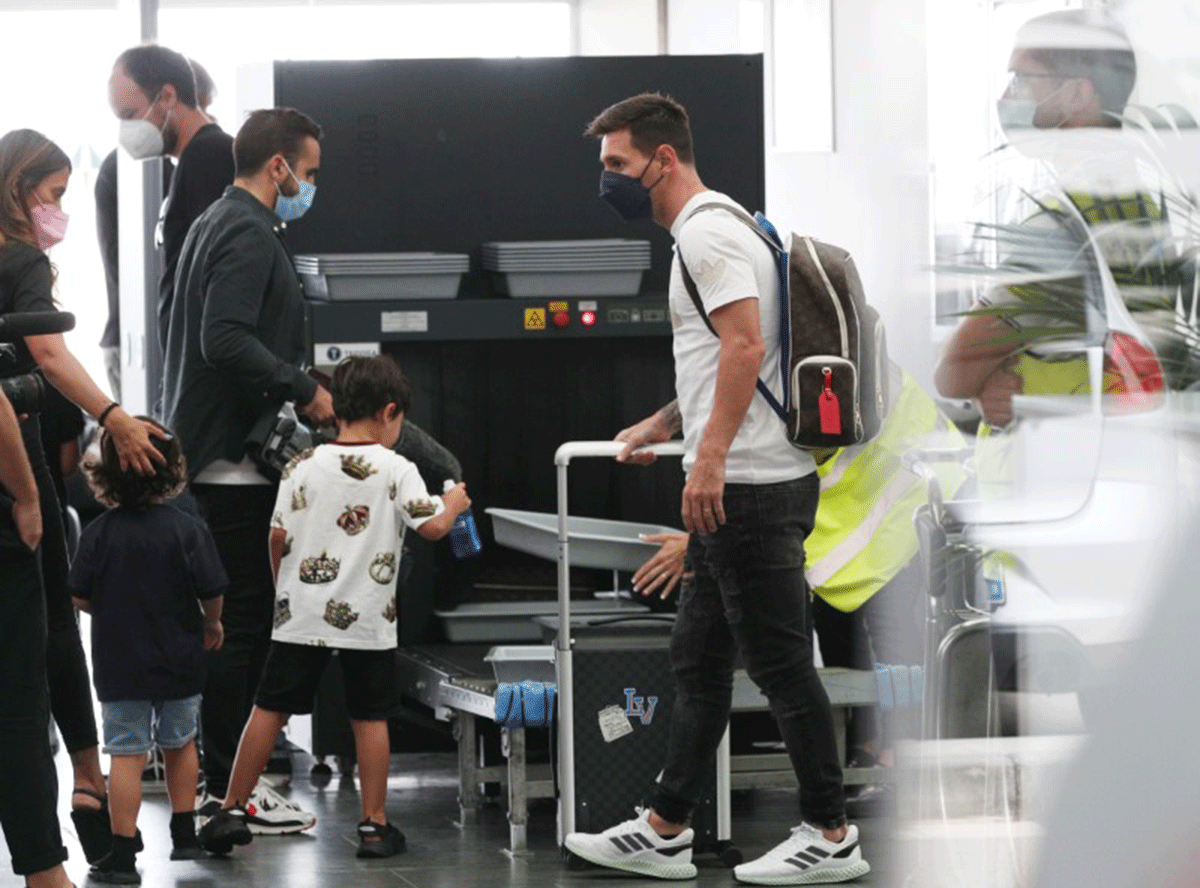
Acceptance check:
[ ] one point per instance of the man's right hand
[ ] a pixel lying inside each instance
(320, 408)
(995, 398)
(27, 516)
(651, 430)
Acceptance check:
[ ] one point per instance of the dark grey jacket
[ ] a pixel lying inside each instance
(236, 335)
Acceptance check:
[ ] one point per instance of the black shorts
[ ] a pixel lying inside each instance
(293, 671)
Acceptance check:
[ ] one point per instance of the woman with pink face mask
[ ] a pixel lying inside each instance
(34, 173)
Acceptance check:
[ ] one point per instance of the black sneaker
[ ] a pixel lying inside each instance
(189, 852)
(379, 840)
(225, 829)
(104, 872)
(118, 866)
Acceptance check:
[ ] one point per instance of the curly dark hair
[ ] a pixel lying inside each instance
(115, 486)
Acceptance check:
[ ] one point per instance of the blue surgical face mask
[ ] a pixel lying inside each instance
(627, 195)
(289, 209)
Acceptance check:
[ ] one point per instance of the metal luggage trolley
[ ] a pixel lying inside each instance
(565, 653)
(958, 655)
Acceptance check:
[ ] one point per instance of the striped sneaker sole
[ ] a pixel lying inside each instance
(823, 875)
(642, 867)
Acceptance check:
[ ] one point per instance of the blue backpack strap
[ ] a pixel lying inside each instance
(782, 260)
(765, 230)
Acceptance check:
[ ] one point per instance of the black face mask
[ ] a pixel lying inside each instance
(626, 194)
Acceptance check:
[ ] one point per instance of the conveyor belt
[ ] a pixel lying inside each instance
(446, 677)
(457, 684)
(457, 677)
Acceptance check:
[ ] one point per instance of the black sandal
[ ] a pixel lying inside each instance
(92, 825)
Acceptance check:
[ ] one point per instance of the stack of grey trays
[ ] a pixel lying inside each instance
(546, 269)
(358, 276)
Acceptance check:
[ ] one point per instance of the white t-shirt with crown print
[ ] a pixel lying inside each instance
(344, 508)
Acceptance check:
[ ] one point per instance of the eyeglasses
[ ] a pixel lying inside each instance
(1017, 78)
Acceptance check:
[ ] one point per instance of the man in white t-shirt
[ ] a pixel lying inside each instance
(749, 502)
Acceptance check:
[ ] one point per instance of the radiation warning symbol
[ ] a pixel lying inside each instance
(535, 319)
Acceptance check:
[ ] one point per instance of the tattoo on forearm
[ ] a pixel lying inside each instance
(671, 417)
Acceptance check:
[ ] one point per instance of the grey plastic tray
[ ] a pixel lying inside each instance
(595, 542)
(518, 662)
(536, 285)
(359, 287)
(504, 622)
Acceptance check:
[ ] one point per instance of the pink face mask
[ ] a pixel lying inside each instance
(49, 225)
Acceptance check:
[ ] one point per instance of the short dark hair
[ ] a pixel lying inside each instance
(268, 132)
(652, 119)
(206, 89)
(1110, 64)
(152, 67)
(363, 386)
(115, 486)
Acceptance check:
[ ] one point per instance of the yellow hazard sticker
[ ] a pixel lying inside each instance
(535, 319)
(560, 306)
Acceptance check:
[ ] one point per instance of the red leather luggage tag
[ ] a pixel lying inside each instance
(831, 410)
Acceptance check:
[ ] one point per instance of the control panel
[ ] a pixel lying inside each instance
(337, 329)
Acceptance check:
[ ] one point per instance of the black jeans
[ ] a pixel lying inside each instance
(70, 686)
(749, 591)
(239, 517)
(28, 782)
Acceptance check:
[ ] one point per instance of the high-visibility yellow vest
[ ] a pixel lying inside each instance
(864, 533)
(1126, 230)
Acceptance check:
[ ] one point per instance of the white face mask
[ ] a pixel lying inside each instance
(1016, 114)
(142, 139)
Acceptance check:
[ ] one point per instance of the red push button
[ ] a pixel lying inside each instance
(561, 319)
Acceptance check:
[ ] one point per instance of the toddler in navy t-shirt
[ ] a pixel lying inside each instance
(152, 581)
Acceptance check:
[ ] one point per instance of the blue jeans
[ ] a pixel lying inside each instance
(749, 595)
(134, 727)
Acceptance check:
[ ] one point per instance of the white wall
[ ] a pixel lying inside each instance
(871, 195)
(697, 27)
(618, 27)
(630, 27)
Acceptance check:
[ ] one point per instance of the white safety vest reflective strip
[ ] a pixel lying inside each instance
(864, 535)
(859, 537)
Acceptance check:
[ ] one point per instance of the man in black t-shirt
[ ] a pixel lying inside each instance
(153, 92)
(108, 234)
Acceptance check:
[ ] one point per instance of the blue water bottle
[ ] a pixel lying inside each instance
(464, 536)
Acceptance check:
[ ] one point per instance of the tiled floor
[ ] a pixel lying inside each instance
(422, 801)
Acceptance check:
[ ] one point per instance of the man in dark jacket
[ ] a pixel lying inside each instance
(235, 341)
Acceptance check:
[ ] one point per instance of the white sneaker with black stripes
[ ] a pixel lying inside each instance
(634, 846)
(807, 858)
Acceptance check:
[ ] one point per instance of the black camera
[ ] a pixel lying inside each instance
(277, 437)
(26, 392)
